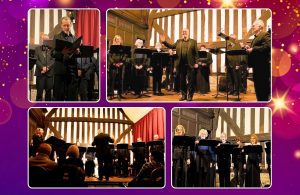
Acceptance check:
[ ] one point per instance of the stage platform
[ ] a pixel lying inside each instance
(113, 182)
(171, 96)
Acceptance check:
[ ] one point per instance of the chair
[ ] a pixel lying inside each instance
(158, 176)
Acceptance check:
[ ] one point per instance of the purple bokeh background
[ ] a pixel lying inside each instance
(14, 103)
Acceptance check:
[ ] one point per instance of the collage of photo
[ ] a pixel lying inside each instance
(180, 60)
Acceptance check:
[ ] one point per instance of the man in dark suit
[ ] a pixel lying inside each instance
(233, 68)
(65, 66)
(103, 154)
(85, 73)
(187, 56)
(260, 60)
(44, 70)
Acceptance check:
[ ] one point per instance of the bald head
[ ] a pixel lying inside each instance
(257, 26)
(185, 34)
(44, 149)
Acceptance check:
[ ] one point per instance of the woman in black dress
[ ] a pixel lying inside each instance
(253, 164)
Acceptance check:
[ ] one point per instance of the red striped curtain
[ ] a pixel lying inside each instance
(87, 26)
(151, 124)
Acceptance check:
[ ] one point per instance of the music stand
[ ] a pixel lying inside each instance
(148, 52)
(226, 37)
(217, 51)
(235, 53)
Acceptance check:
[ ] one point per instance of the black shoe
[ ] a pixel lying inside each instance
(122, 97)
(139, 96)
(160, 94)
(182, 98)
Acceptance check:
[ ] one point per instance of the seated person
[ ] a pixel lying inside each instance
(42, 162)
(37, 139)
(42, 158)
(72, 168)
(145, 178)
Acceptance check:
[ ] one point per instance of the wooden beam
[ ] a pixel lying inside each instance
(203, 26)
(125, 115)
(230, 123)
(130, 18)
(50, 114)
(87, 119)
(37, 115)
(150, 25)
(159, 29)
(252, 124)
(215, 122)
(125, 132)
(55, 131)
(168, 13)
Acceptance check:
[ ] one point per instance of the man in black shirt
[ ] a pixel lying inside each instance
(65, 66)
(103, 154)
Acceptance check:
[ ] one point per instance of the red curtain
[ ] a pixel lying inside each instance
(87, 26)
(151, 124)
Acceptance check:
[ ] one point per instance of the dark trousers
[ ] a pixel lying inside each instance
(115, 81)
(169, 78)
(65, 88)
(224, 175)
(239, 174)
(187, 80)
(234, 79)
(104, 167)
(44, 82)
(179, 173)
(202, 178)
(262, 81)
(140, 81)
(157, 76)
(83, 89)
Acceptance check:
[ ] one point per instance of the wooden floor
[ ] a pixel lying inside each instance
(170, 96)
(113, 182)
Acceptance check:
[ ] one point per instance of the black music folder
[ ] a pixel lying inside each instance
(138, 144)
(86, 51)
(122, 146)
(202, 54)
(183, 141)
(208, 142)
(120, 49)
(253, 149)
(226, 148)
(61, 44)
